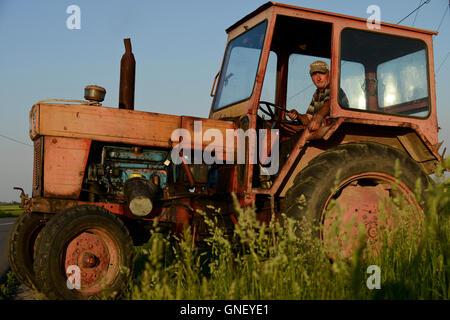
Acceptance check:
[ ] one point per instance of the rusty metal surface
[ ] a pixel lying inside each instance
(101, 124)
(178, 211)
(127, 77)
(415, 147)
(95, 94)
(370, 207)
(187, 172)
(64, 166)
(197, 127)
(54, 205)
(310, 153)
(97, 255)
(398, 123)
(301, 11)
(356, 207)
(34, 121)
(353, 131)
(25, 201)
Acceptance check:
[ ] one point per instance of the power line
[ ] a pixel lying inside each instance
(14, 140)
(442, 63)
(420, 6)
(301, 91)
(312, 84)
(442, 19)
(448, 53)
(417, 13)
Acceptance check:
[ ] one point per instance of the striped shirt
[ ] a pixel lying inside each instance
(319, 98)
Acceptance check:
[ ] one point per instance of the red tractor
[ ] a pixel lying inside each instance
(103, 175)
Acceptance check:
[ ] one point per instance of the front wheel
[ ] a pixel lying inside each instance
(80, 255)
(354, 185)
(21, 246)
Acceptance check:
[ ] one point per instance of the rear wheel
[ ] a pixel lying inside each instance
(353, 185)
(21, 246)
(80, 254)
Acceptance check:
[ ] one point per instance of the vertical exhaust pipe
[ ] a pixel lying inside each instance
(127, 77)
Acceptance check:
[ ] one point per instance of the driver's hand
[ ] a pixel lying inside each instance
(315, 123)
(293, 114)
(305, 118)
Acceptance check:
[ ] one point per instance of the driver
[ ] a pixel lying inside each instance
(319, 107)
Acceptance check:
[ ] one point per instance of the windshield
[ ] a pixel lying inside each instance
(240, 67)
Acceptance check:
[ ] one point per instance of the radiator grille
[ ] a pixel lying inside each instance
(37, 167)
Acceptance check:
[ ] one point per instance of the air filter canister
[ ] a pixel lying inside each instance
(141, 195)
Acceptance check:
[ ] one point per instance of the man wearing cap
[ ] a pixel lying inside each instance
(320, 103)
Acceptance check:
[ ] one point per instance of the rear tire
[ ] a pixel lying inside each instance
(21, 245)
(89, 238)
(364, 169)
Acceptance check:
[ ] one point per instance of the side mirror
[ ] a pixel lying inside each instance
(214, 84)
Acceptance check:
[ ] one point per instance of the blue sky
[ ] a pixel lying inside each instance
(178, 46)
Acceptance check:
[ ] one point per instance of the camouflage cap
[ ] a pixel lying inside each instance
(318, 66)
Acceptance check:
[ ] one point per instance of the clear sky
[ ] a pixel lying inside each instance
(178, 46)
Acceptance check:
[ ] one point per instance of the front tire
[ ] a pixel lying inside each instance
(21, 246)
(92, 243)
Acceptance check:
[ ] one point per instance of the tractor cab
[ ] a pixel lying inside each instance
(386, 74)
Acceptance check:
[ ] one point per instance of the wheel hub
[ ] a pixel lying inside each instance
(362, 205)
(89, 251)
(90, 260)
(356, 207)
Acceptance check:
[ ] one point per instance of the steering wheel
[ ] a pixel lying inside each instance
(268, 108)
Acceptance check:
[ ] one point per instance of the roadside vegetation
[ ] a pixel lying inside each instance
(274, 262)
(8, 286)
(10, 210)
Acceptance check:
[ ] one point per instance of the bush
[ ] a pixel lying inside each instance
(8, 286)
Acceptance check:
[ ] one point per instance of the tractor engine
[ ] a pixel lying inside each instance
(133, 175)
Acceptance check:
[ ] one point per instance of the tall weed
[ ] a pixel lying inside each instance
(272, 261)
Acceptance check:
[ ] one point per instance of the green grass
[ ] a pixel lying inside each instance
(272, 262)
(8, 286)
(10, 210)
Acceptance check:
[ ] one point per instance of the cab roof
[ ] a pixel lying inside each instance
(282, 5)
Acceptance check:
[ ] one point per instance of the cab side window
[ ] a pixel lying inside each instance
(384, 73)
